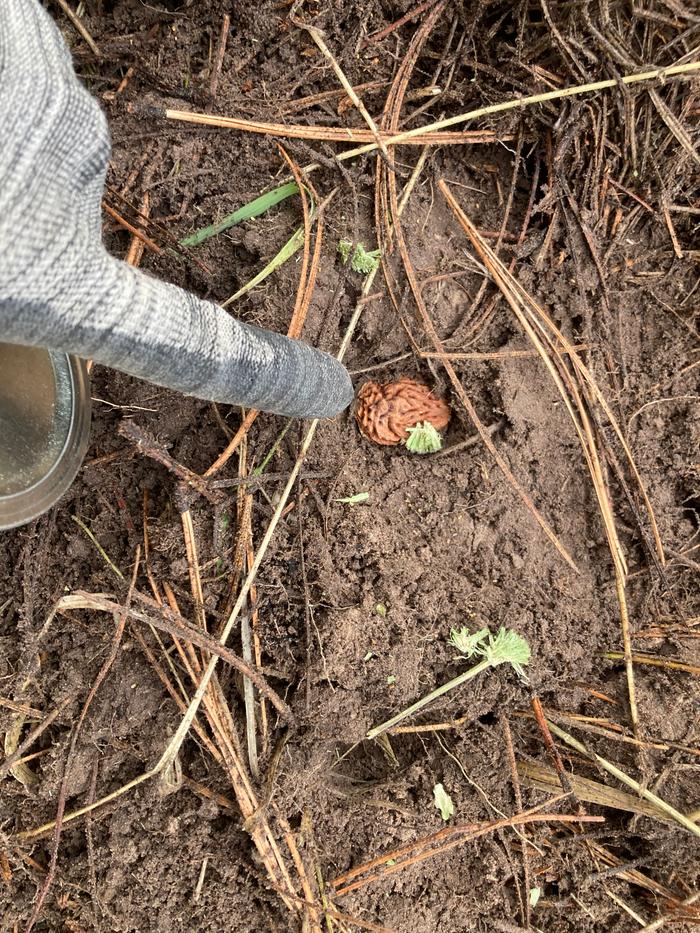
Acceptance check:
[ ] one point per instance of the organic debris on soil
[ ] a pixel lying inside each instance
(581, 388)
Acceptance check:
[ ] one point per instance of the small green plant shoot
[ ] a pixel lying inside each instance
(468, 643)
(506, 647)
(443, 802)
(361, 260)
(423, 439)
(354, 500)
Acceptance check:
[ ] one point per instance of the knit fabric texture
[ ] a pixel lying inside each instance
(60, 288)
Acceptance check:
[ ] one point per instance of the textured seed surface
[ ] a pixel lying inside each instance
(384, 412)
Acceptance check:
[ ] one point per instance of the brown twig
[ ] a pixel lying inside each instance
(219, 61)
(333, 134)
(552, 749)
(151, 448)
(7, 764)
(80, 27)
(121, 617)
(442, 841)
(135, 253)
(134, 231)
(168, 621)
(406, 18)
(515, 781)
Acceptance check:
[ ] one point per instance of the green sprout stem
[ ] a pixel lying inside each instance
(434, 695)
(507, 647)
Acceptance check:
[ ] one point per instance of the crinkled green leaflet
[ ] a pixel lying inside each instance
(443, 802)
(251, 209)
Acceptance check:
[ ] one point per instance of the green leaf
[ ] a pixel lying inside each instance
(364, 261)
(344, 251)
(443, 802)
(468, 643)
(381, 610)
(391, 679)
(251, 209)
(535, 894)
(423, 439)
(361, 259)
(507, 647)
(354, 500)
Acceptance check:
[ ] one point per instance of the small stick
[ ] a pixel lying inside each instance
(674, 916)
(608, 766)
(135, 254)
(193, 568)
(499, 355)
(317, 36)
(220, 52)
(203, 869)
(406, 18)
(515, 781)
(670, 663)
(430, 134)
(671, 229)
(121, 616)
(80, 27)
(134, 231)
(7, 764)
(151, 448)
(28, 711)
(245, 506)
(468, 834)
(552, 749)
(103, 554)
(459, 829)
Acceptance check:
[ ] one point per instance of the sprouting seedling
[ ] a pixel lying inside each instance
(466, 642)
(361, 259)
(354, 500)
(344, 251)
(443, 802)
(506, 647)
(423, 439)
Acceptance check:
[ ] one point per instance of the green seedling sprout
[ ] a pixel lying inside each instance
(361, 259)
(468, 643)
(354, 500)
(423, 439)
(506, 647)
(443, 802)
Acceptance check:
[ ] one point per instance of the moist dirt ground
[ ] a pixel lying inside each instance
(595, 200)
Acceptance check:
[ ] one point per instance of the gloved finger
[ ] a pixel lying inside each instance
(31, 45)
(54, 135)
(173, 338)
(156, 331)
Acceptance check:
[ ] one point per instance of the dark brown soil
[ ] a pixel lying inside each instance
(442, 542)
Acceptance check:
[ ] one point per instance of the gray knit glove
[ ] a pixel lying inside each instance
(59, 288)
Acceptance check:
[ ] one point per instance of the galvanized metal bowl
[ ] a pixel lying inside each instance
(44, 429)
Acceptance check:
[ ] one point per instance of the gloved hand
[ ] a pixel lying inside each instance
(59, 288)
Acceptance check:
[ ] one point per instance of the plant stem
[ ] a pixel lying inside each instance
(424, 701)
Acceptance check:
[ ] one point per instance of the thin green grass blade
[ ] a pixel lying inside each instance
(290, 247)
(251, 209)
